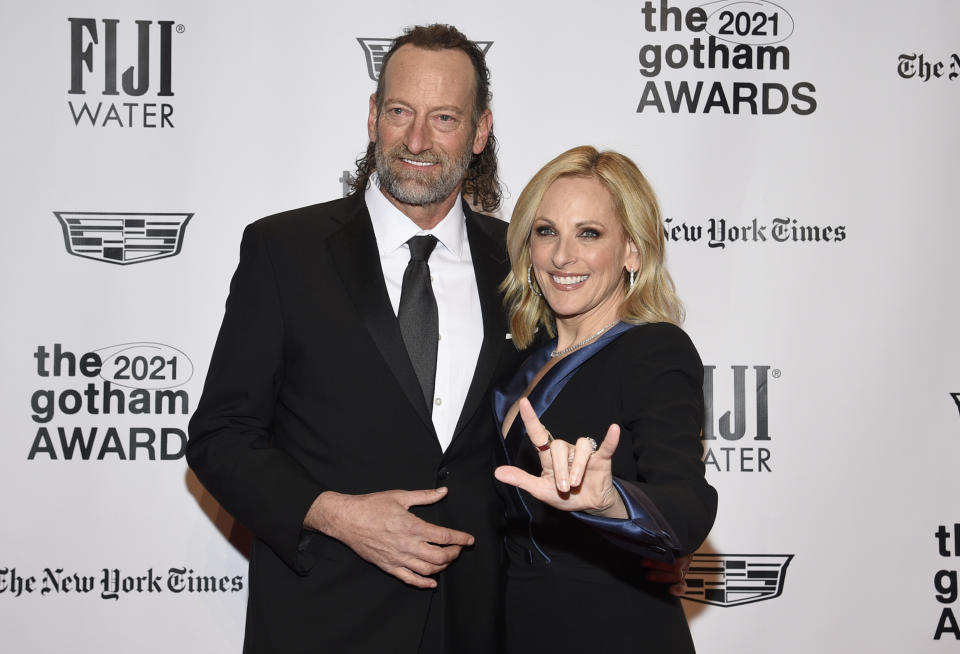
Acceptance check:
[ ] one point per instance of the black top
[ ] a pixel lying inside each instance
(648, 379)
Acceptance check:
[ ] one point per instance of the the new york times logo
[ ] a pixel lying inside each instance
(921, 67)
(721, 232)
(132, 383)
(741, 37)
(96, 50)
(735, 579)
(123, 238)
(112, 582)
(737, 449)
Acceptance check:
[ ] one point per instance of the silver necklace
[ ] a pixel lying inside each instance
(556, 354)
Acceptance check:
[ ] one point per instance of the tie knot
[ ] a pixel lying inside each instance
(421, 247)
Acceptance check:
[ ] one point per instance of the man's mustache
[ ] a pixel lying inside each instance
(402, 153)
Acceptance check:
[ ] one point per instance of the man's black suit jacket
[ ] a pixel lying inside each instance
(310, 389)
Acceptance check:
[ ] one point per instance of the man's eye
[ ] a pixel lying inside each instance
(446, 122)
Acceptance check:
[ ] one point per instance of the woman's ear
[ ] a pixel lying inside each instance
(632, 260)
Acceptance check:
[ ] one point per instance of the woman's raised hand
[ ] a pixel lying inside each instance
(572, 477)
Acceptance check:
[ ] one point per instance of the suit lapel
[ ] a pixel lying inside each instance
(353, 250)
(490, 267)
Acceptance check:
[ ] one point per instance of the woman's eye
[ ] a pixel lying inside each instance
(543, 230)
(590, 233)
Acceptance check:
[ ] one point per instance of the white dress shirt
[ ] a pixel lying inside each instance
(455, 287)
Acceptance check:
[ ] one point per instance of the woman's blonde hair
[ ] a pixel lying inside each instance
(653, 297)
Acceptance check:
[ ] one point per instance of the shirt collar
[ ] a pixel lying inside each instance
(393, 229)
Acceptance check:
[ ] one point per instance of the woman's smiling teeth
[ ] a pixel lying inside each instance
(566, 281)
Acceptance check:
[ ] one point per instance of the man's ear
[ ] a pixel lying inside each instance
(484, 125)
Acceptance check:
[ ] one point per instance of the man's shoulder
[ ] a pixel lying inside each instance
(488, 227)
(318, 219)
(491, 225)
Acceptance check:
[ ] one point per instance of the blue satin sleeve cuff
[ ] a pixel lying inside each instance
(644, 531)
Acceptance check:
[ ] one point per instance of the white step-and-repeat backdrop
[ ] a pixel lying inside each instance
(806, 156)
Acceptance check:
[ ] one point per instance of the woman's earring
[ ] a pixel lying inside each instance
(530, 282)
(633, 278)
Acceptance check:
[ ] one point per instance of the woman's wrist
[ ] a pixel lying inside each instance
(615, 508)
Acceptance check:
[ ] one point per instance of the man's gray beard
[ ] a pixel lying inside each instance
(413, 189)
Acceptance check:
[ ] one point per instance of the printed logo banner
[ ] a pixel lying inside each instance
(123, 238)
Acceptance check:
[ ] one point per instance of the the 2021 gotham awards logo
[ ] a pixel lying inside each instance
(918, 66)
(721, 232)
(374, 50)
(98, 50)
(123, 238)
(734, 442)
(736, 579)
(740, 36)
(945, 582)
(81, 394)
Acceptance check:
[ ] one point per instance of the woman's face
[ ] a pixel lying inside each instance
(579, 251)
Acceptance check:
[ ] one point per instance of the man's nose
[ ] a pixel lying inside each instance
(418, 138)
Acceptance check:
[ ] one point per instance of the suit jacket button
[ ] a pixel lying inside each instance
(443, 473)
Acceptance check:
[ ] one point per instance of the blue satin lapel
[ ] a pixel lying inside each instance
(547, 389)
(503, 398)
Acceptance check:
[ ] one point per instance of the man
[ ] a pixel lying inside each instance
(355, 444)
(374, 512)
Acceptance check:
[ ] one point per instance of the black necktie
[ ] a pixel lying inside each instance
(418, 315)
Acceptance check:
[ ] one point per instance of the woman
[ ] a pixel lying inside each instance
(611, 472)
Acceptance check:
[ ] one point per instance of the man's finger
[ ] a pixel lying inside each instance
(424, 568)
(421, 497)
(439, 555)
(438, 535)
(412, 578)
